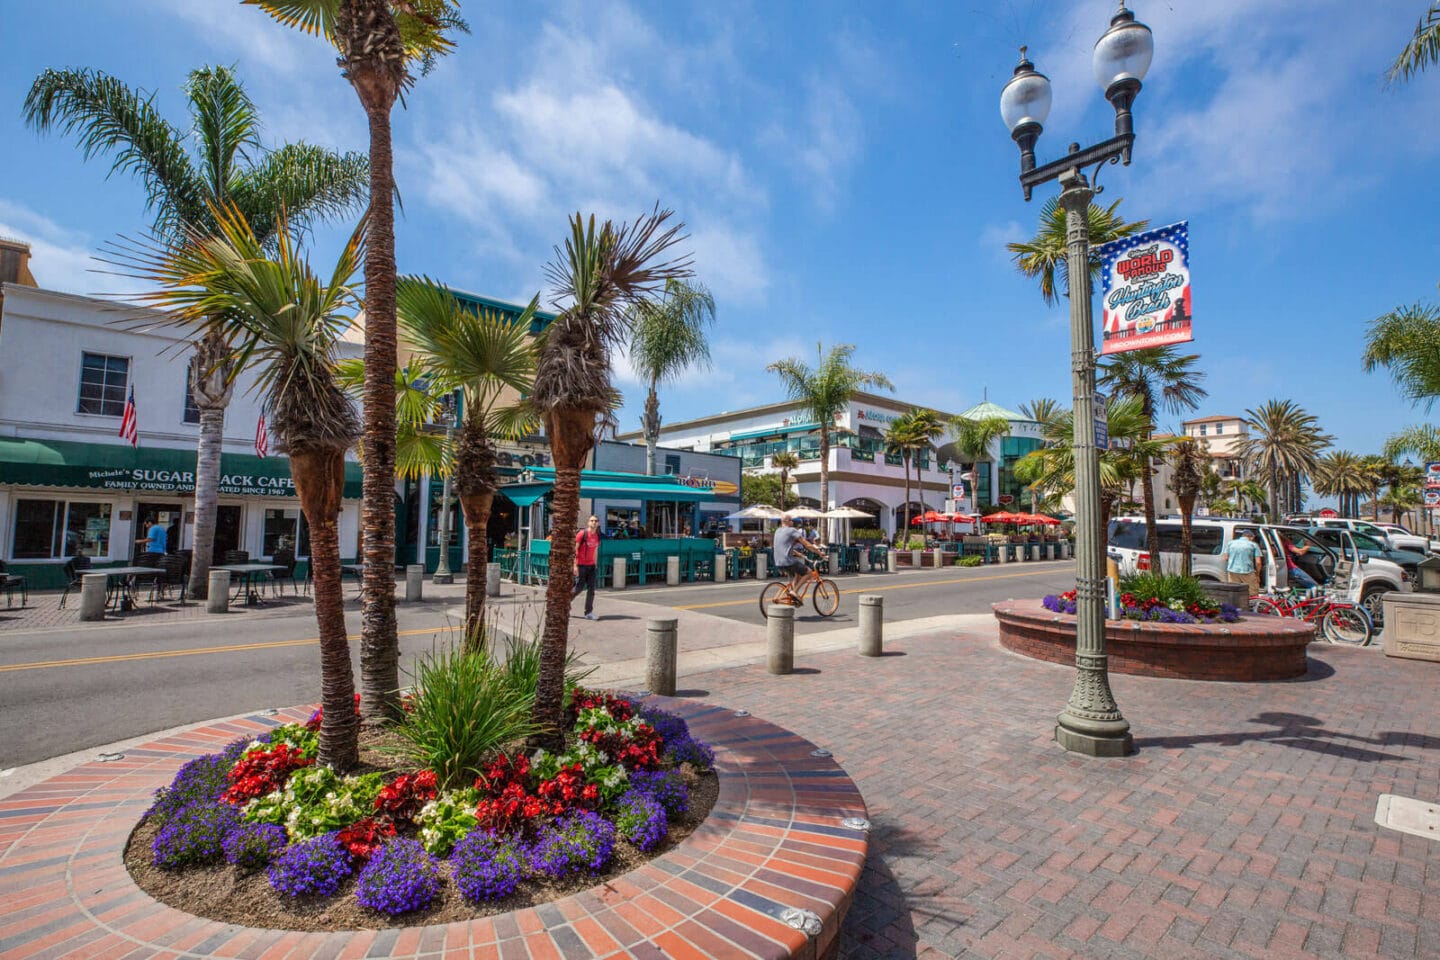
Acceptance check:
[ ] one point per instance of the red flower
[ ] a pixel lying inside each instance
(364, 837)
(263, 771)
(402, 798)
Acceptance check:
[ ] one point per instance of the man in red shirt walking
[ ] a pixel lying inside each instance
(587, 546)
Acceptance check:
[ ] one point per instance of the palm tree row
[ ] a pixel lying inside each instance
(1283, 450)
(909, 435)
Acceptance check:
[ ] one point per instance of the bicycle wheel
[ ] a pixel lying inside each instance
(1266, 606)
(826, 597)
(771, 594)
(1347, 625)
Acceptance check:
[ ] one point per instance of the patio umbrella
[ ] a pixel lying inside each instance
(847, 514)
(1004, 516)
(1039, 518)
(806, 513)
(759, 511)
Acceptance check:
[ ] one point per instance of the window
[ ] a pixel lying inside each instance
(192, 412)
(53, 529)
(282, 528)
(102, 384)
(1202, 429)
(432, 529)
(1219, 429)
(672, 464)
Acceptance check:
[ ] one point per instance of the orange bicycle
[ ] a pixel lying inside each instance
(825, 598)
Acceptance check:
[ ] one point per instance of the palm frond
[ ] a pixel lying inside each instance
(226, 125)
(1406, 342)
(309, 183)
(1421, 51)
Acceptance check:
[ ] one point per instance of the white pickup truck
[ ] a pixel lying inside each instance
(1399, 537)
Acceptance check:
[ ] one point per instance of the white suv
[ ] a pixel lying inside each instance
(1398, 536)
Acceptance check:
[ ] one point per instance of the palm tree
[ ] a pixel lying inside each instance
(1422, 50)
(378, 42)
(598, 276)
(1421, 441)
(900, 438)
(1401, 499)
(1043, 256)
(975, 437)
(227, 165)
(1247, 493)
(823, 392)
(1407, 343)
(925, 427)
(668, 338)
(1282, 449)
(1189, 462)
(285, 323)
(1161, 378)
(1042, 410)
(784, 461)
(491, 361)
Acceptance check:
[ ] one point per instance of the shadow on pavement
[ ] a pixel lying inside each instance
(1304, 733)
(696, 694)
(879, 922)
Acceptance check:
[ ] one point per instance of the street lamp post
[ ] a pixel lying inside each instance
(443, 573)
(1091, 722)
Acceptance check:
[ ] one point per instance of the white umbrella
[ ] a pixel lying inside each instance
(806, 513)
(847, 514)
(759, 511)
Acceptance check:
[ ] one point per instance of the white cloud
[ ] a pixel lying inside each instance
(62, 259)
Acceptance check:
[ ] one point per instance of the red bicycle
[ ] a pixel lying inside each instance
(1340, 621)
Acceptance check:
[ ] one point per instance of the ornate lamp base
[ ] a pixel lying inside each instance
(1111, 743)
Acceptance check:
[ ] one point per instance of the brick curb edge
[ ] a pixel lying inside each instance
(775, 841)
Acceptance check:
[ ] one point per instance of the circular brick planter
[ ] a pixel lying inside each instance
(1254, 649)
(776, 842)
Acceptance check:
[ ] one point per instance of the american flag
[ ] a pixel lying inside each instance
(262, 437)
(130, 423)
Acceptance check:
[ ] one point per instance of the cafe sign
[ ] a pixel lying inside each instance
(183, 481)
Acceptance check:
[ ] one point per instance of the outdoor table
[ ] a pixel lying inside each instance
(119, 591)
(247, 574)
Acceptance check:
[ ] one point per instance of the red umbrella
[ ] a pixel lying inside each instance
(1040, 518)
(1004, 516)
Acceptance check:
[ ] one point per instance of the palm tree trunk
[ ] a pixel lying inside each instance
(207, 492)
(1152, 529)
(477, 544)
(784, 482)
(825, 471)
(379, 644)
(1274, 489)
(1187, 543)
(319, 481)
(650, 423)
(905, 465)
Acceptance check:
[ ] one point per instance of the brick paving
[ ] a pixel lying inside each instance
(1244, 827)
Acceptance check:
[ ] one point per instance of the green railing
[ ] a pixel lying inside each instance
(866, 455)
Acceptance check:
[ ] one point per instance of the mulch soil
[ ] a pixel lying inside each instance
(230, 895)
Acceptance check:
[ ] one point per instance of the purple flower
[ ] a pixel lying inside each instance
(670, 726)
(399, 878)
(486, 866)
(318, 865)
(253, 845)
(199, 780)
(194, 834)
(640, 819)
(666, 786)
(580, 841)
(689, 750)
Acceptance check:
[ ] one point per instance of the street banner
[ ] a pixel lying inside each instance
(1432, 475)
(1102, 421)
(1145, 289)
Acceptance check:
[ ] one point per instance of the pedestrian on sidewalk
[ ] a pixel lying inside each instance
(587, 546)
(1242, 561)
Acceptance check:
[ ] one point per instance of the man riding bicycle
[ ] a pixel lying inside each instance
(789, 547)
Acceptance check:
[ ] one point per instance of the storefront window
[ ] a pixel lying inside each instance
(102, 384)
(282, 531)
(618, 519)
(53, 529)
(432, 528)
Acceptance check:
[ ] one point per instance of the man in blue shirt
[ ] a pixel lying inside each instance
(1242, 561)
(155, 537)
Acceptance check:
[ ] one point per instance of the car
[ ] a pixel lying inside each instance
(1408, 560)
(1374, 552)
(1367, 579)
(1392, 529)
(1395, 539)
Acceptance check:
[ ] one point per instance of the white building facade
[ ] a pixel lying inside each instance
(69, 484)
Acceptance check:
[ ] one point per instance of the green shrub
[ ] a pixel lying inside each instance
(464, 708)
(972, 561)
(521, 667)
(867, 533)
(1165, 587)
(317, 800)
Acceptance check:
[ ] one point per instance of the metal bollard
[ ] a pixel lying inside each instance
(872, 613)
(660, 656)
(780, 638)
(892, 561)
(492, 579)
(721, 567)
(1003, 549)
(939, 558)
(92, 596)
(762, 569)
(414, 582)
(672, 571)
(1050, 549)
(834, 561)
(218, 599)
(617, 573)
(1065, 550)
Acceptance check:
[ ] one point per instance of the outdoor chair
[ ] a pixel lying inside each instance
(74, 569)
(10, 582)
(177, 574)
(284, 558)
(230, 557)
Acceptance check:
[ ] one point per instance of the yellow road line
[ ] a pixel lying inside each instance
(193, 651)
(898, 586)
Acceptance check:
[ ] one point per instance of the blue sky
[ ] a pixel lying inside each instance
(843, 171)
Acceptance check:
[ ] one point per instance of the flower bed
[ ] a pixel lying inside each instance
(266, 837)
(1152, 609)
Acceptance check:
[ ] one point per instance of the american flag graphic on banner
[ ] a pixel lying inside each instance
(262, 438)
(130, 423)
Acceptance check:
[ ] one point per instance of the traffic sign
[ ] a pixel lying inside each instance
(1432, 498)
(958, 492)
(1102, 422)
(1432, 475)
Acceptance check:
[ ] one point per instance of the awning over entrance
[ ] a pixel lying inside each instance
(602, 484)
(774, 431)
(113, 466)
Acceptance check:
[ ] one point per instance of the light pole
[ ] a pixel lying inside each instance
(443, 574)
(1091, 722)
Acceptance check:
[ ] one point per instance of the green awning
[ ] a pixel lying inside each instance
(524, 494)
(603, 484)
(117, 466)
(774, 431)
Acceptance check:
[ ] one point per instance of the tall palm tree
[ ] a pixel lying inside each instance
(1342, 474)
(1422, 50)
(975, 437)
(1162, 379)
(1282, 449)
(598, 276)
(1189, 462)
(668, 338)
(379, 41)
(1375, 469)
(285, 323)
(1042, 409)
(926, 426)
(784, 461)
(1042, 257)
(491, 360)
(824, 391)
(900, 438)
(1406, 342)
(227, 164)
(1247, 493)
(1401, 499)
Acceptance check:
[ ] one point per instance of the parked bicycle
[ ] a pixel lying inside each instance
(1340, 621)
(825, 597)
